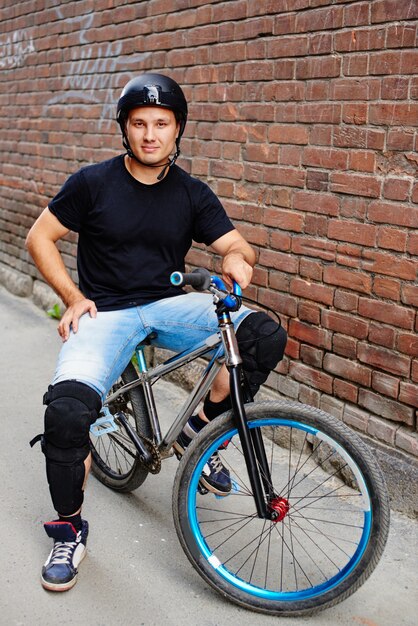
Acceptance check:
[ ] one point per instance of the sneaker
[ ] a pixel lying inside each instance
(60, 570)
(215, 476)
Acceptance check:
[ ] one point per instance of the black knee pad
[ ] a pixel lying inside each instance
(72, 408)
(261, 342)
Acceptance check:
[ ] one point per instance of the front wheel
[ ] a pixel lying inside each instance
(330, 502)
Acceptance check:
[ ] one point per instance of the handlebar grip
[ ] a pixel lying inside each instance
(199, 279)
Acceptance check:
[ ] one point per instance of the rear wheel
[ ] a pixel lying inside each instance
(114, 457)
(330, 505)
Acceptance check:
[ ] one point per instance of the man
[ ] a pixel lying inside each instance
(136, 216)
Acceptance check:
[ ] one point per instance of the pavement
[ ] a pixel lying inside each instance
(135, 573)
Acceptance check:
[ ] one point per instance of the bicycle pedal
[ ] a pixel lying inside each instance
(104, 425)
(201, 489)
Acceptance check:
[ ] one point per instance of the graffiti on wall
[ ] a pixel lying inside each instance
(92, 77)
(14, 48)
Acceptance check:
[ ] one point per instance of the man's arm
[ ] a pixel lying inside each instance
(41, 243)
(238, 258)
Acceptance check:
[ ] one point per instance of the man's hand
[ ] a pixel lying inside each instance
(238, 258)
(72, 316)
(235, 267)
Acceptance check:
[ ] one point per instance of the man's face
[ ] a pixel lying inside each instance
(152, 133)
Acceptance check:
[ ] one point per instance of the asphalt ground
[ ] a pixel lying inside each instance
(135, 572)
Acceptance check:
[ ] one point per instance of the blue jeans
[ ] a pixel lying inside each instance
(103, 346)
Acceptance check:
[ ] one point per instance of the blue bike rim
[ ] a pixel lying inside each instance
(254, 590)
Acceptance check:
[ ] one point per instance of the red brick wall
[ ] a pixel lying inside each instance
(303, 119)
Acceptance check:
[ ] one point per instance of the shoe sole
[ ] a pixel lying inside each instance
(179, 451)
(64, 586)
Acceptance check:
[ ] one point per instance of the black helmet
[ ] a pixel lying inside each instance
(152, 90)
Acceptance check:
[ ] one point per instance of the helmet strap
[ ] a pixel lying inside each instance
(165, 166)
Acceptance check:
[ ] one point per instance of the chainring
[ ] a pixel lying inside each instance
(154, 466)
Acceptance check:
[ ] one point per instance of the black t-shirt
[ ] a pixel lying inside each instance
(131, 235)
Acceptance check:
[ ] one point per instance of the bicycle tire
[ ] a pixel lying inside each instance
(329, 540)
(115, 459)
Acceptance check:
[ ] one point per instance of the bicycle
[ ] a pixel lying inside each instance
(307, 518)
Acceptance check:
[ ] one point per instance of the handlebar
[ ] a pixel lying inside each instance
(201, 280)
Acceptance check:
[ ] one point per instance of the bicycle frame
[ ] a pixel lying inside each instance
(225, 350)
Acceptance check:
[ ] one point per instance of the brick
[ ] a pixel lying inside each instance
(389, 264)
(393, 10)
(325, 158)
(355, 184)
(310, 247)
(362, 160)
(290, 155)
(286, 220)
(320, 43)
(292, 177)
(395, 88)
(407, 344)
(355, 137)
(409, 394)
(414, 370)
(353, 208)
(312, 291)
(318, 67)
(355, 40)
(346, 369)
(287, 47)
(319, 19)
(310, 269)
(393, 114)
(289, 134)
(279, 260)
(400, 139)
(385, 407)
(399, 35)
(346, 391)
(355, 65)
(357, 14)
(310, 334)
(387, 385)
(343, 230)
(316, 202)
(344, 323)
(384, 359)
(407, 440)
(386, 312)
(382, 335)
(356, 281)
(313, 113)
(309, 312)
(316, 180)
(396, 188)
(320, 135)
(279, 302)
(392, 239)
(410, 295)
(311, 356)
(316, 225)
(381, 429)
(280, 241)
(357, 418)
(309, 396)
(344, 346)
(310, 376)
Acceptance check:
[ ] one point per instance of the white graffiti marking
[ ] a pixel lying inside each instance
(89, 77)
(14, 48)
